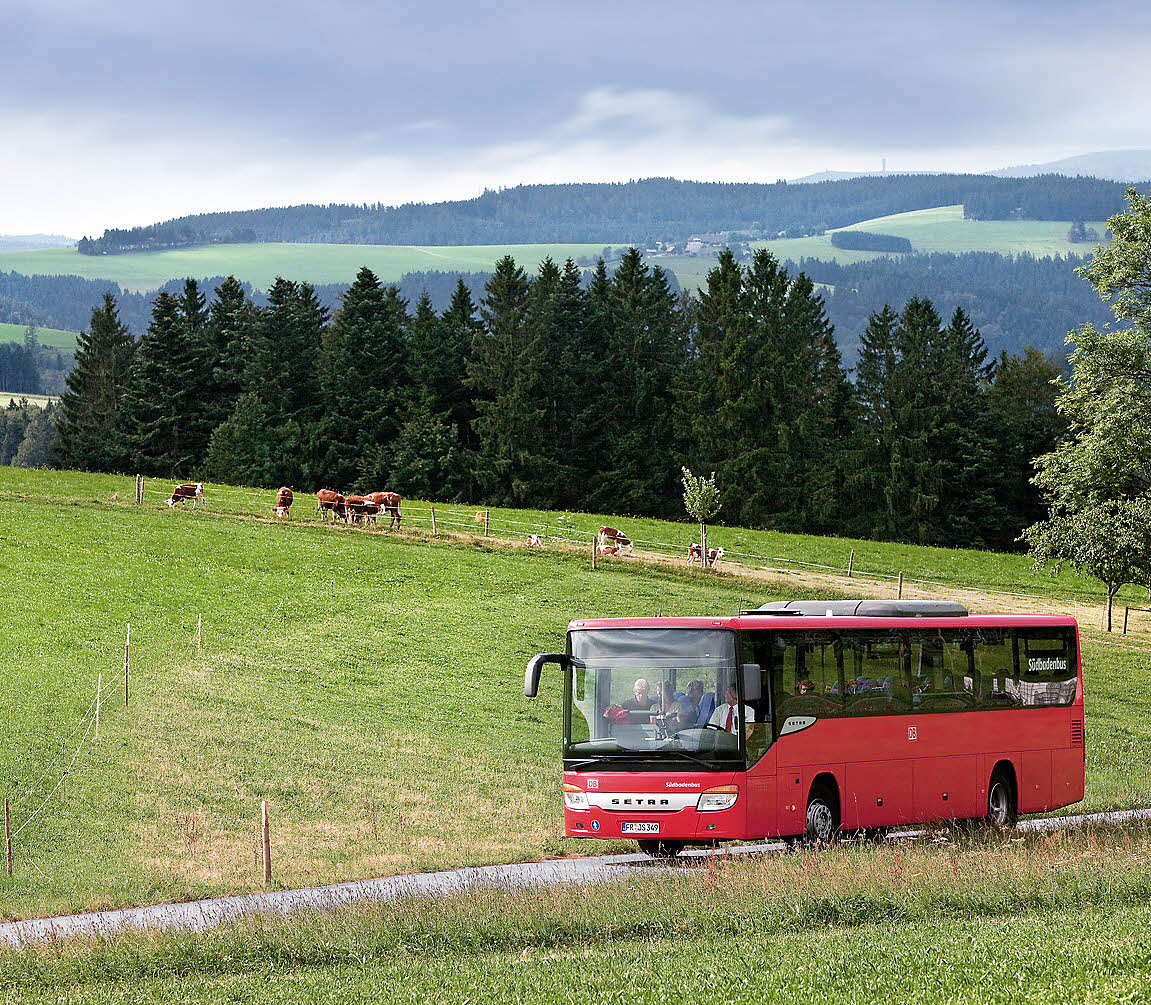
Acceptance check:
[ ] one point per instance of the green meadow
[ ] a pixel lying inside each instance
(943, 229)
(15, 397)
(366, 683)
(939, 229)
(260, 264)
(48, 336)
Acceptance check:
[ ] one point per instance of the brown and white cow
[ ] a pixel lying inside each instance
(607, 549)
(535, 541)
(695, 553)
(611, 536)
(389, 502)
(362, 509)
(283, 501)
(330, 501)
(189, 490)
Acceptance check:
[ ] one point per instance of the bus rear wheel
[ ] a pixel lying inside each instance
(822, 823)
(1002, 804)
(661, 849)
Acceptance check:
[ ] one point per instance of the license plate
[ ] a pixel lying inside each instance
(634, 827)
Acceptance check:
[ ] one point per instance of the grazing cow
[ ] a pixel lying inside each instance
(283, 501)
(611, 536)
(362, 508)
(329, 501)
(189, 490)
(389, 502)
(535, 541)
(695, 554)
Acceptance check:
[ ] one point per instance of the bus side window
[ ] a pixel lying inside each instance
(879, 684)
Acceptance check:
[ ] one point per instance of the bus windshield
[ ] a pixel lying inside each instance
(655, 694)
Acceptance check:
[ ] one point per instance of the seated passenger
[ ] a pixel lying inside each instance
(731, 714)
(804, 687)
(642, 700)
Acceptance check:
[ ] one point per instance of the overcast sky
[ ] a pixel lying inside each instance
(126, 113)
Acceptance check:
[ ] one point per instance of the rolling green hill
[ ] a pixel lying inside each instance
(367, 684)
(940, 229)
(48, 336)
(260, 264)
(943, 229)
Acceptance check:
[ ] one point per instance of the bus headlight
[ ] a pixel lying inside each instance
(722, 797)
(575, 798)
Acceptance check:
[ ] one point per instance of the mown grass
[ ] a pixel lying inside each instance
(367, 684)
(1056, 917)
(53, 337)
(260, 264)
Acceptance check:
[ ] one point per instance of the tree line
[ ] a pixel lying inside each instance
(564, 394)
(643, 212)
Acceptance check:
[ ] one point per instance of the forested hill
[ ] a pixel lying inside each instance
(637, 212)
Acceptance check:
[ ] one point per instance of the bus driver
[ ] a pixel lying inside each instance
(729, 715)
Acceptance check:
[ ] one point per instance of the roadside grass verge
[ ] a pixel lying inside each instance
(972, 918)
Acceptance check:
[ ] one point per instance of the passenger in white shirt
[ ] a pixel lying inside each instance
(730, 714)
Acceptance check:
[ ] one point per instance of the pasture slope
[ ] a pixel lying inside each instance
(54, 338)
(367, 684)
(939, 229)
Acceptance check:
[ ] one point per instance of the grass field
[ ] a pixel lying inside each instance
(1054, 919)
(943, 229)
(260, 264)
(48, 336)
(940, 229)
(15, 397)
(366, 684)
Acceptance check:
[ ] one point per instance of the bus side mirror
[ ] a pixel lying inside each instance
(535, 665)
(751, 679)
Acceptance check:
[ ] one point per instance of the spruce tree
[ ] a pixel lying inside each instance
(506, 376)
(152, 422)
(647, 350)
(89, 408)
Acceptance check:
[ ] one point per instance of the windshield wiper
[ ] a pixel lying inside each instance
(691, 757)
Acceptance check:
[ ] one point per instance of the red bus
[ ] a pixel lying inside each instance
(805, 718)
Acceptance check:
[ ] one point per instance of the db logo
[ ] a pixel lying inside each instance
(911, 733)
(593, 783)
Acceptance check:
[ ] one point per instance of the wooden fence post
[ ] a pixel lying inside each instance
(433, 521)
(266, 843)
(486, 513)
(127, 660)
(1126, 612)
(99, 688)
(594, 542)
(899, 595)
(850, 562)
(8, 836)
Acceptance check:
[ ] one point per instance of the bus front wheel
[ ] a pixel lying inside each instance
(822, 816)
(1002, 806)
(661, 849)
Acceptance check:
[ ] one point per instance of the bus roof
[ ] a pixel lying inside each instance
(748, 620)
